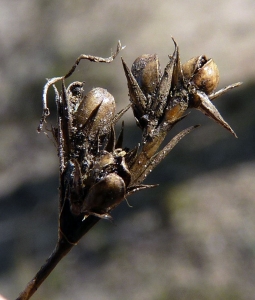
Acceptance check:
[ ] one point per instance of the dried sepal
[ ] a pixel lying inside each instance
(137, 98)
(144, 167)
(131, 156)
(120, 114)
(119, 142)
(219, 93)
(110, 146)
(171, 74)
(72, 180)
(206, 107)
(135, 188)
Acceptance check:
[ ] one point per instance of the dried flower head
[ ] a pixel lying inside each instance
(96, 171)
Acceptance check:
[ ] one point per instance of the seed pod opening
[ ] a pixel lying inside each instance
(203, 72)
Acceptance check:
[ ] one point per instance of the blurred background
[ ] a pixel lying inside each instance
(193, 237)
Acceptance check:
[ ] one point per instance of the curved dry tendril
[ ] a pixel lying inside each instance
(50, 82)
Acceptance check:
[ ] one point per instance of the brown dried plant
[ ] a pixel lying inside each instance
(96, 172)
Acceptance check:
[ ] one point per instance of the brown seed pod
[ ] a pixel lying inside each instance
(96, 109)
(106, 163)
(106, 158)
(203, 72)
(101, 166)
(146, 70)
(103, 196)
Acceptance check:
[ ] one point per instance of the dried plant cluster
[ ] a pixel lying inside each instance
(96, 171)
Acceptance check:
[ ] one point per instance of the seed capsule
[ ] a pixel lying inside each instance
(146, 70)
(96, 112)
(104, 195)
(204, 75)
(203, 72)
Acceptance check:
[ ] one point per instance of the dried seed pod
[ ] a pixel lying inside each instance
(106, 163)
(146, 70)
(105, 158)
(101, 167)
(96, 112)
(203, 72)
(103, 196)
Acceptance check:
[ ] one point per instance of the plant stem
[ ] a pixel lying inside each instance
(62, 248)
